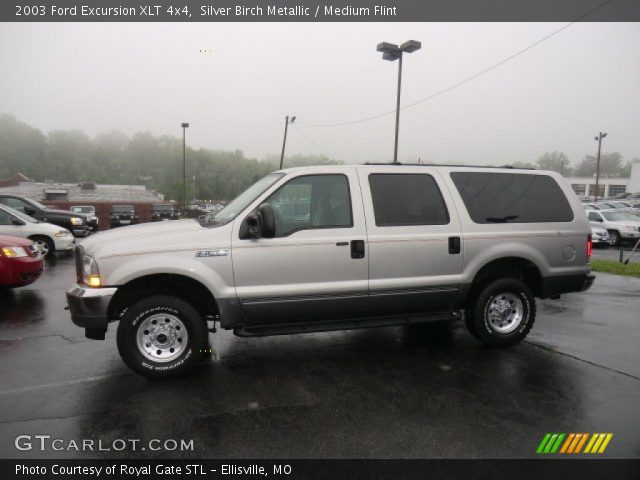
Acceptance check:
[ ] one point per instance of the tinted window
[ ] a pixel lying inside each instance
(14, 203)
(594, 217)
(5, 218)
(512, 197)
(312, 201)
(407, 199)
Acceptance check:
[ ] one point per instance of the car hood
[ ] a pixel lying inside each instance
(154, 238)
(626, 223)
(10, 241)
(64, 213)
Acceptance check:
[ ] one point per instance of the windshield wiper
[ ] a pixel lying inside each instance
(506, 219)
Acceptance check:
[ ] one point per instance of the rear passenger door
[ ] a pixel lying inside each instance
(415, 251)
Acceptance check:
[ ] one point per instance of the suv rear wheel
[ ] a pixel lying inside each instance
(503, 313)
(162, 336)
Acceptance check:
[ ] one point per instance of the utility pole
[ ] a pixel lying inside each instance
(284, 141)
(599, 140)
(184, 166)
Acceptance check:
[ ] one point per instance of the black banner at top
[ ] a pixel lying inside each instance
(320, 10)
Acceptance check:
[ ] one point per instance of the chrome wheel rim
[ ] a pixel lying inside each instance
(505, 312)
(162, 337)
(42, 246)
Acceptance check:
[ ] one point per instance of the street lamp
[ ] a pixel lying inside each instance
(184, 166)
(394, 52)
(599, 140)
(284, 141)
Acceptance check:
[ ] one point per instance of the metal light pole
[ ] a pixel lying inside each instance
(599, 140)
(284, 141)
(394, 52)
(184, 166)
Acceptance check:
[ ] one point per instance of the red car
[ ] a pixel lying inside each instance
(20, 262)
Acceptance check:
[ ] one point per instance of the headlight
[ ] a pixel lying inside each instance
(76, 221)
(14, 252)
(62, 233)
(90, 272)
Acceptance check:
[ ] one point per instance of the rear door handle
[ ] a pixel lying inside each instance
(454, 245)
(357, 248)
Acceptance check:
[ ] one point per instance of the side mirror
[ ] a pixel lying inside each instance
(29, 210)
(260, 223)
(17, 221)
(268, 217)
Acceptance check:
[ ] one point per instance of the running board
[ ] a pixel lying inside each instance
(349, 324)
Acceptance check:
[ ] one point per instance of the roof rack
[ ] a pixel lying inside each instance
(447, 165)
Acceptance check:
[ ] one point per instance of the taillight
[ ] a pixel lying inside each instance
(589, 246)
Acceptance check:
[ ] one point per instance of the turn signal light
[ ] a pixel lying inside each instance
(94, 281)
(589, 246)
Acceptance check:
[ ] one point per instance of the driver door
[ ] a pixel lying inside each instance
(316, 267)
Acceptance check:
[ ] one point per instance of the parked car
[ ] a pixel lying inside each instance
(48, 237)
(164, 211)
(123, 215)
(599, 235)
(76, 223)
(591, 206)
(20, 262)
(90, 212)
(381, 245)
(621, 226)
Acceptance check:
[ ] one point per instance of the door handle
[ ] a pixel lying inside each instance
(454, 245)
(357, 248)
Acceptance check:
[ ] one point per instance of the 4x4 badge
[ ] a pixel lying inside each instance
(212, 253)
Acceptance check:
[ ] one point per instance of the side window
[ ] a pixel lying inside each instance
(5, 218)
(594, 217)
(14, 203)
(492, 197)
(312, 201)
(407, 199)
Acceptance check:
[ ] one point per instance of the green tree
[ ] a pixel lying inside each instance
(555, 161)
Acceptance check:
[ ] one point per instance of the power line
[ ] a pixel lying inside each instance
(466, 80)
(630, 137)
(310, 140)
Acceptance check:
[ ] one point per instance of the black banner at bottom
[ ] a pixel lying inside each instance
(320, 469)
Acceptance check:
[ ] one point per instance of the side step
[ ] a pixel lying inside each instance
(349, 324)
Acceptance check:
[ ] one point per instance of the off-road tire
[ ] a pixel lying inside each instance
(195, 350)
(480, 320)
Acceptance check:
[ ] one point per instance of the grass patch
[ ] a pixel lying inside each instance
(617, 268)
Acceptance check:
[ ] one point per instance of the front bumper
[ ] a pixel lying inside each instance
(88, 307)
(64, 244)
(81, 232)
(21, 271)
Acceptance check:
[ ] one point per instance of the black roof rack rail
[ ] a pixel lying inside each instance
(447, 165)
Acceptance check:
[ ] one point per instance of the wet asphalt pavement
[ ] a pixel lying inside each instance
(419, 392)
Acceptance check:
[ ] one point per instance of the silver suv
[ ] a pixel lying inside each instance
(340, 247)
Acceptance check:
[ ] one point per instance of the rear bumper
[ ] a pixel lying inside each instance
(88, 307)
(553, 286)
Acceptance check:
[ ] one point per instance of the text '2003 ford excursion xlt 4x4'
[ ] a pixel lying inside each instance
(341, 247)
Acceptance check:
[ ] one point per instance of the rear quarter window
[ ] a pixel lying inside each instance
(512, 197)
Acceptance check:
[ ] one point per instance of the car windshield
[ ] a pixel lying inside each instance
(241, 202)
(122, 209)
(163, 208)
(20, 215)
(616, 217)
(37, 204)
(82, 209)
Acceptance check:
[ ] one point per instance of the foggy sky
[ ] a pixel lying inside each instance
(136, 77)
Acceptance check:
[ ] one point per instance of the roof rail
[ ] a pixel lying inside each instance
(447, 165)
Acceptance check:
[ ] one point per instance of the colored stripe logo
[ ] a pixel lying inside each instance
(572, 443)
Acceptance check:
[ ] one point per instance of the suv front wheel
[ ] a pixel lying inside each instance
(503, 313)
(162, 336)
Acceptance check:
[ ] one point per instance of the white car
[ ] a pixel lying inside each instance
(599, 235)
(49, 238)
(621, 226)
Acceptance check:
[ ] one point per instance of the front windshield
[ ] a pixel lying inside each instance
(616, 217)
(22, 216)
(82, 209)
(122, 209)
(37, 204)
(242, 201)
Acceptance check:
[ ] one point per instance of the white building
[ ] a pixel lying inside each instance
(608, 187)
